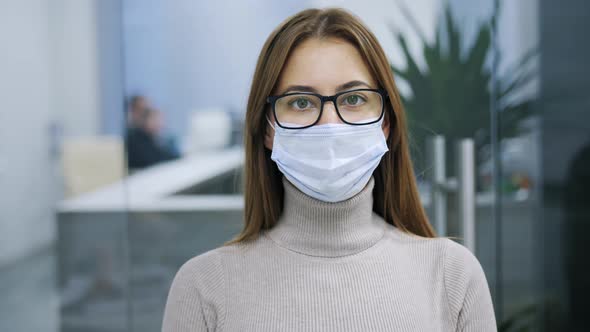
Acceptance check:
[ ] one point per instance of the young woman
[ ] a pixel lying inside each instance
(335, 237)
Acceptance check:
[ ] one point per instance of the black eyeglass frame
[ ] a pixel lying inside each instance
(272, 101)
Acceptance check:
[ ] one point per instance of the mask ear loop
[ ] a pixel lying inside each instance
(270, 123)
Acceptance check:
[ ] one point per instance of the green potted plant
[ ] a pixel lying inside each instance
(451, 95)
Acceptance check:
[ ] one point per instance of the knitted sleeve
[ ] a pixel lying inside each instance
(467, 289)
(195, 298)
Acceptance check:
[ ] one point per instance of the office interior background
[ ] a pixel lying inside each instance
(496, 92)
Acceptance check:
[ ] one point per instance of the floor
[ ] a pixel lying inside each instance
(29, 298)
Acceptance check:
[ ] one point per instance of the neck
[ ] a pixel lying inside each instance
(316, 228)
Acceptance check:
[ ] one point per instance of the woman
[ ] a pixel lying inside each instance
(335, 237)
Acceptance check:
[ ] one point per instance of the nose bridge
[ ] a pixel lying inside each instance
(329, 114)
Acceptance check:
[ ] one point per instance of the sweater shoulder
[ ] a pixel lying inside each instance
(200, 282)
(467, 288)
(461, 270)
(203, 267)
(207, 270)
(199, 290)
(463, 277)
(432, 246)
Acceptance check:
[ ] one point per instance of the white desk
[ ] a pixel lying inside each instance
(154, 188)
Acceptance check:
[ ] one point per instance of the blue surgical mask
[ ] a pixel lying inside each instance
(330, 162)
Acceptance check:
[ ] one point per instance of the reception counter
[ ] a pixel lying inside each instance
(119, 246)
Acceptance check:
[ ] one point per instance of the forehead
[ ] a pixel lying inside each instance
(324, 64)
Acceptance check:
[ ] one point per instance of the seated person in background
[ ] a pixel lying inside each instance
(136, 111)
(155, 126)
(143, 140)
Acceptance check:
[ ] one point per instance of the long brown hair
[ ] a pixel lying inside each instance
(395, 193)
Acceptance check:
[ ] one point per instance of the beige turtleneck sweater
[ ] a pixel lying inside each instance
(332, 267)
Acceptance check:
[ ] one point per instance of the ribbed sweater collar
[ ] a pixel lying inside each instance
(317, 228)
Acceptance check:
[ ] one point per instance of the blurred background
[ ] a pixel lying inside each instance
(120, 146)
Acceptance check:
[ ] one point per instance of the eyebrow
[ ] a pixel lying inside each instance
(342, 87)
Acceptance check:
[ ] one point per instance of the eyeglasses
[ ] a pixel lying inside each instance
(300, 110)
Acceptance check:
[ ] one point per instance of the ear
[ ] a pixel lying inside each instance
(385, 125)
(269, 133)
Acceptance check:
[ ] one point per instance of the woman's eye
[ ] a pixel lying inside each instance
(301, 103)
(353, 100)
